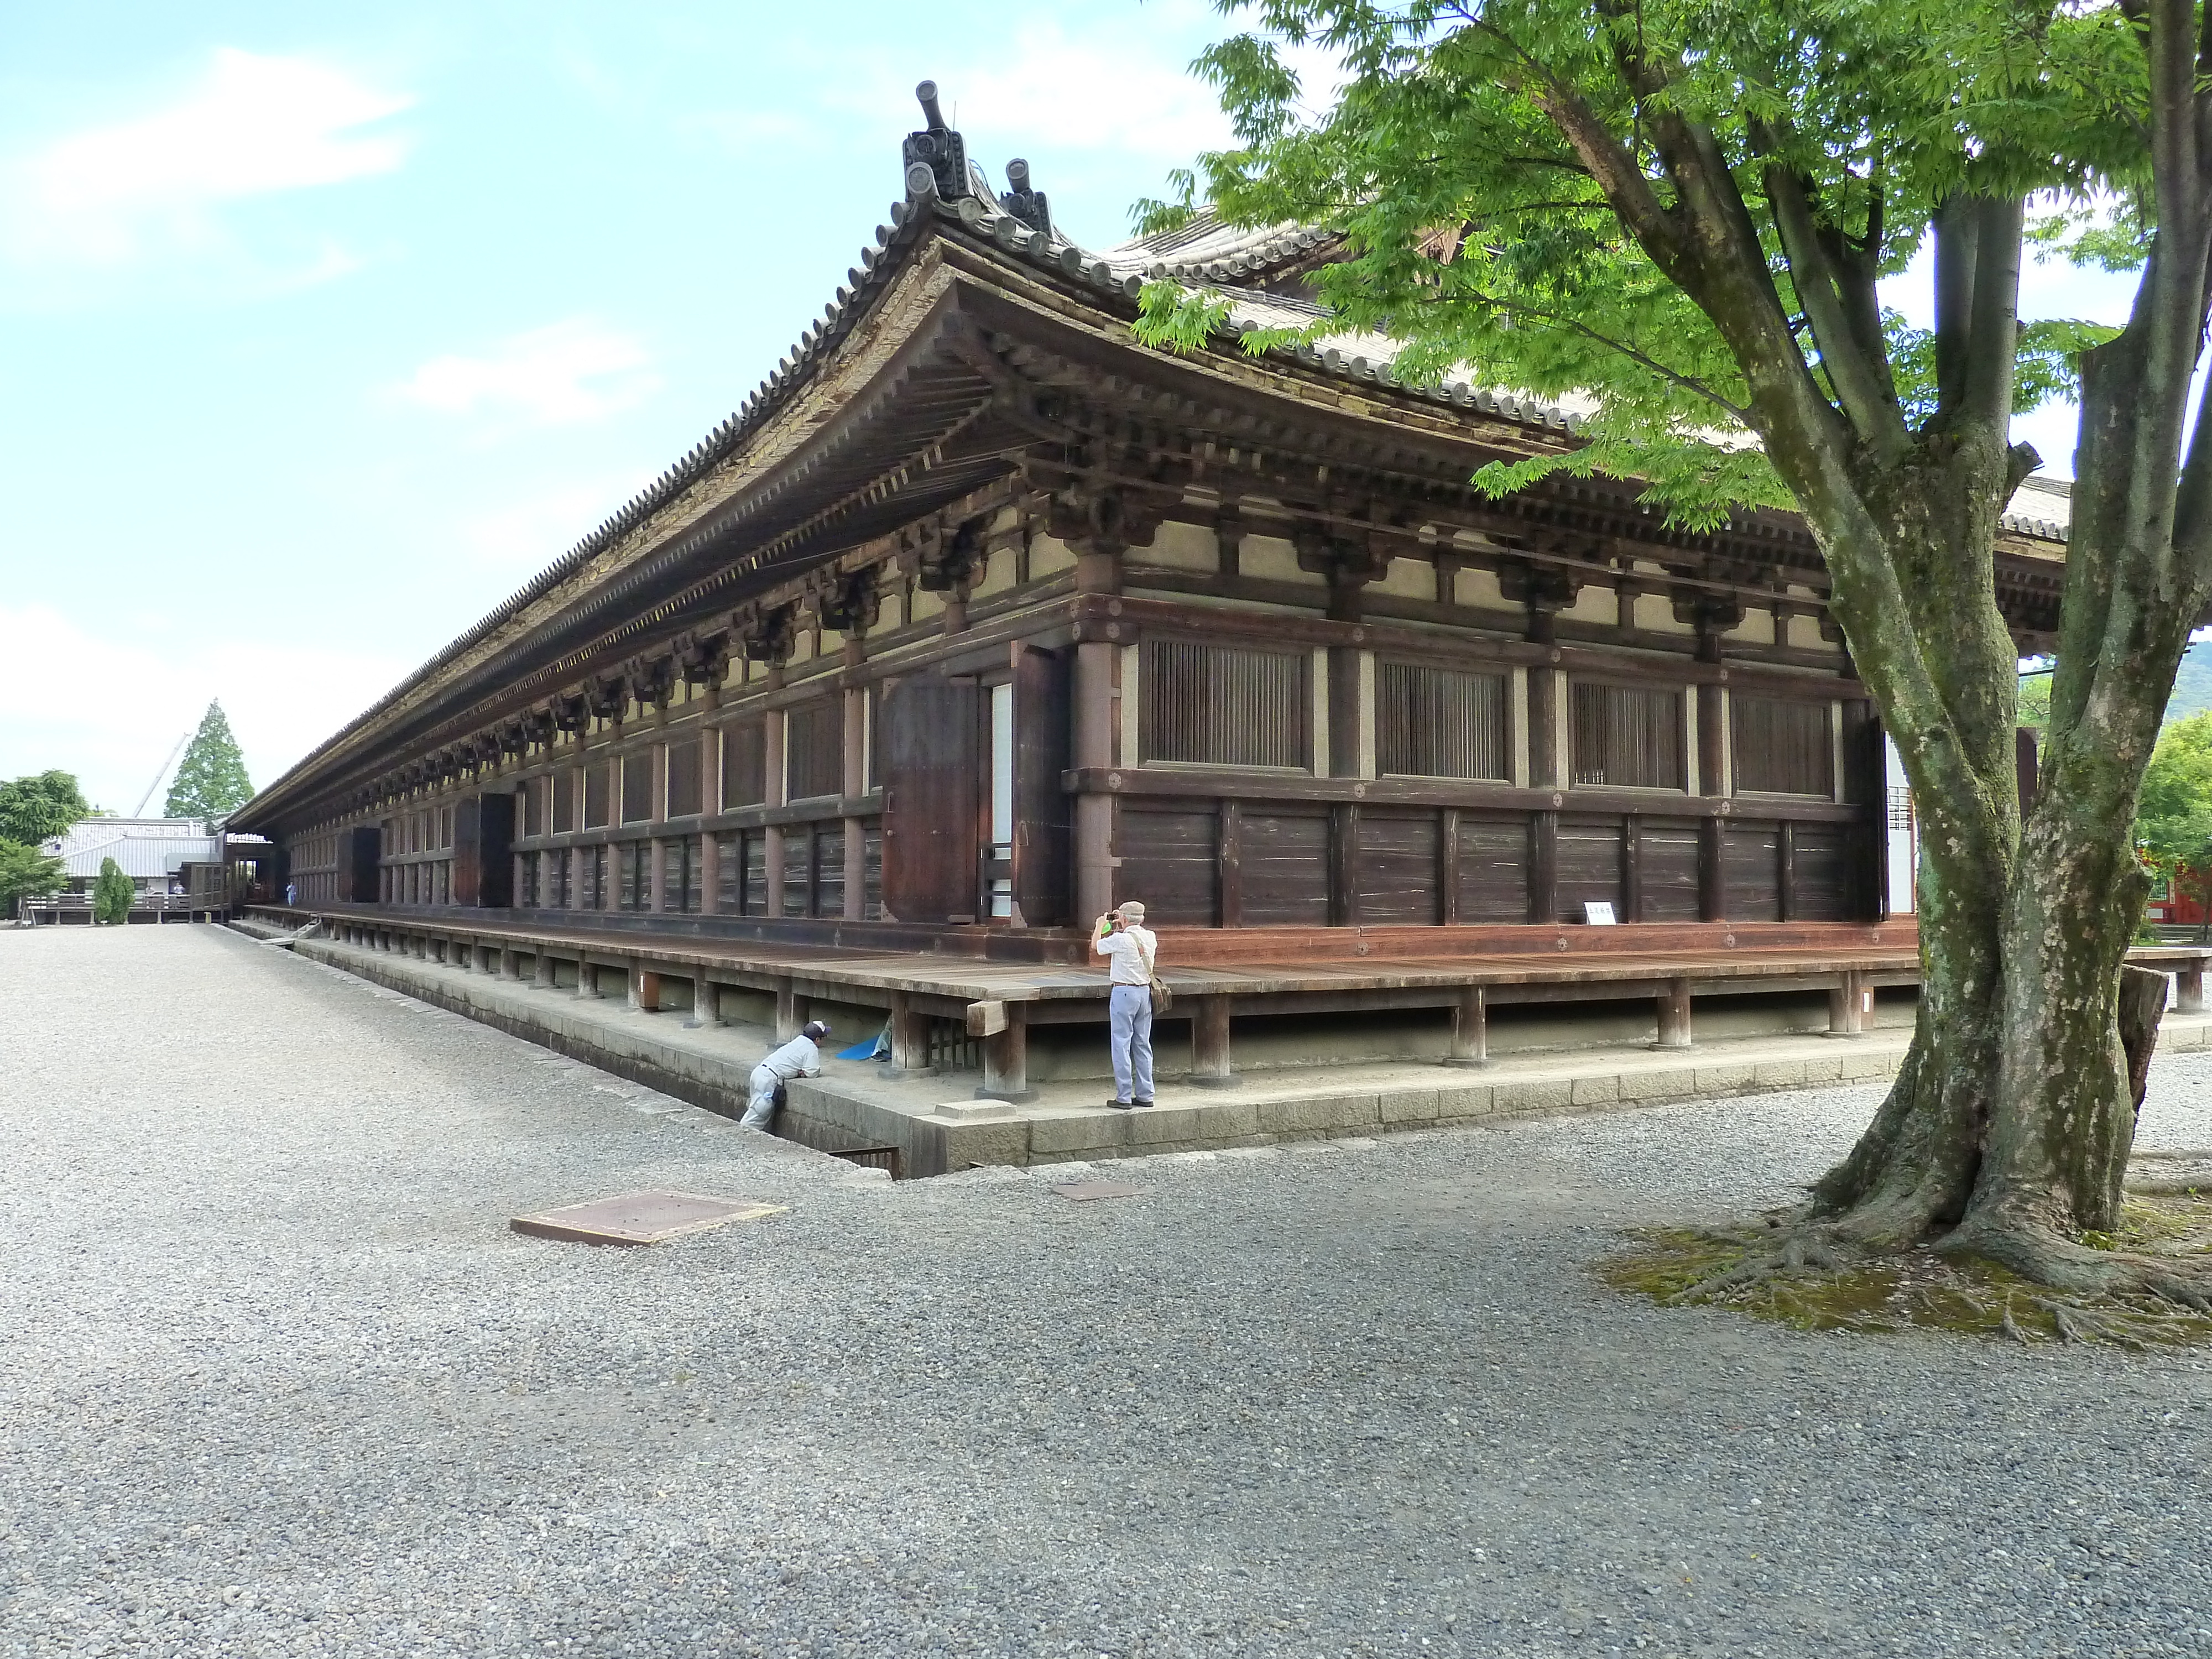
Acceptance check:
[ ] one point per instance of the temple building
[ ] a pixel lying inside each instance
(979, 615)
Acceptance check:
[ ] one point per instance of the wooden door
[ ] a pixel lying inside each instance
(364, 860)
(1044, 832)
(932, 792)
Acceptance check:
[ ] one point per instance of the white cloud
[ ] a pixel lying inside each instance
(252, 126)
(110, 710)
(577, 370)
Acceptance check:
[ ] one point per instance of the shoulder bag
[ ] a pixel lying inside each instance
(1163, 999)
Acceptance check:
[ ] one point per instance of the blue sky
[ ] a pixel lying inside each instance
(325, 327)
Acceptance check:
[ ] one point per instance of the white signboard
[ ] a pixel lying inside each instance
(1597, 914)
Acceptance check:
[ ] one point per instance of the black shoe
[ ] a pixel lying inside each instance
(1140, 1103)
(1124, 1105)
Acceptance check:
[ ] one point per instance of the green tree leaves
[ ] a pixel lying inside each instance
(35, 809)
(112, 894)
(211, 781)
(25, 873)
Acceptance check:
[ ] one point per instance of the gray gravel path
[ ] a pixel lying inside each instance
(275, 1379)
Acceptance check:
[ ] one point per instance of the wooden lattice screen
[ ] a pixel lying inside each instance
(1439, 723)
(683, 777)
(1782, 746)
(1626, 737)
(1217, 705)
(814, 748)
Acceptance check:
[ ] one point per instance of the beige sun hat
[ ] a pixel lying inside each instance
(1132, 910)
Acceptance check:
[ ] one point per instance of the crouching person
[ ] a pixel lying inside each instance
(800, 1057)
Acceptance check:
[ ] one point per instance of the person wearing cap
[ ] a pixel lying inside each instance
(800, 1057)
(1130, 950)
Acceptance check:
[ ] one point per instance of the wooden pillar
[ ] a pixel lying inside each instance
(1631, 868)
(909, 1038)
(1448, 867)
(1675, 1015)
(1006, 1061)
(856, 785)
(1470, 1029)
(1093, 749)
(1344, 864)
(772, 837)
(1547, 766)
(541, 969)
(656, 881)
(587, 979)
(1230, 854)
(1211, 1066)
(1544, 867)
(1847, 1002)
(510, 963)
(644, 989)
(1713, 869)
(710, 871)
(789, 1017)
(2188, 988)
(1785, 852)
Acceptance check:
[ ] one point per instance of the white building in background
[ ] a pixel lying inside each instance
(150, 851)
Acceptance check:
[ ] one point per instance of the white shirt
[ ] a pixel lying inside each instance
(1130, 948)
(796, 1057)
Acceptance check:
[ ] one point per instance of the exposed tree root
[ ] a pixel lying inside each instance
(2149, 1286)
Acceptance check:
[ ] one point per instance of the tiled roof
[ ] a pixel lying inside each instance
(140, 856)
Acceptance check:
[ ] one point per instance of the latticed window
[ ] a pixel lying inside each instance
(1781, 746)
(683, 778)
(1218, 705)
(744, 765)
(814, 748)
(1439, 723)
(1626, 737)
(636, 787)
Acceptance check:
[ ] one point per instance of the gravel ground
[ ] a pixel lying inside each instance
(275, 1379)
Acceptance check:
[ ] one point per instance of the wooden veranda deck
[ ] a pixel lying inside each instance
(1256, 972)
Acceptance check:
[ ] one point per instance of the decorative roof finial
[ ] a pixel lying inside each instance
(1027, 205)
(935, 158)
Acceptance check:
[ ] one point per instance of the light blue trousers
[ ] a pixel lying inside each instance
(1131, 1011)
(760, 1105)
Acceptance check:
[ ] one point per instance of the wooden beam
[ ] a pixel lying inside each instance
(1674, 1008)
(1211, 1066)
(1470, 1029)
(1005, 1059)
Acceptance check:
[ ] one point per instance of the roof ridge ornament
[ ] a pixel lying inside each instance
(1027, 205)
(936, 157)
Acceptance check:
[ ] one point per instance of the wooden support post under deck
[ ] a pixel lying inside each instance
(909, 1038)
(1210, 1056)
(2188, 988)
(1470, 1032)
(510, 963)
(1847, 1006)
(541, 969)
(644, 989)
(788, 1018)
(1675, 1015)
(588, 982)
(1006, 1061)
(706, 1003)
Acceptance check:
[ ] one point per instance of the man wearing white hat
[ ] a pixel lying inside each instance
(1130, 950)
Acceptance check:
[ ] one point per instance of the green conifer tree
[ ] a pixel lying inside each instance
(112, 894)
(211, 781)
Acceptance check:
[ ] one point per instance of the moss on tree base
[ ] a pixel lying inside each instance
(1743, 1270)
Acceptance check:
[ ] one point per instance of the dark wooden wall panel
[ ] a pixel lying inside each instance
(1397, 854)
(829, 870)
(1285, 866)
(1170, 862)
(1782, 746)
(365, 855)
(1668, 854)
(1589, 864)
(1820, 872)
(1751, 857)
(1493, 868)
(931, 800)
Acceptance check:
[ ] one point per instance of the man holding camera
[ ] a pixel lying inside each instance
(1130, 950)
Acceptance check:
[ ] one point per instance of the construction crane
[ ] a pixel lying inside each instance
(159, 776)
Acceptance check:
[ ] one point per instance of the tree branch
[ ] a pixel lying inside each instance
(1861, 383)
